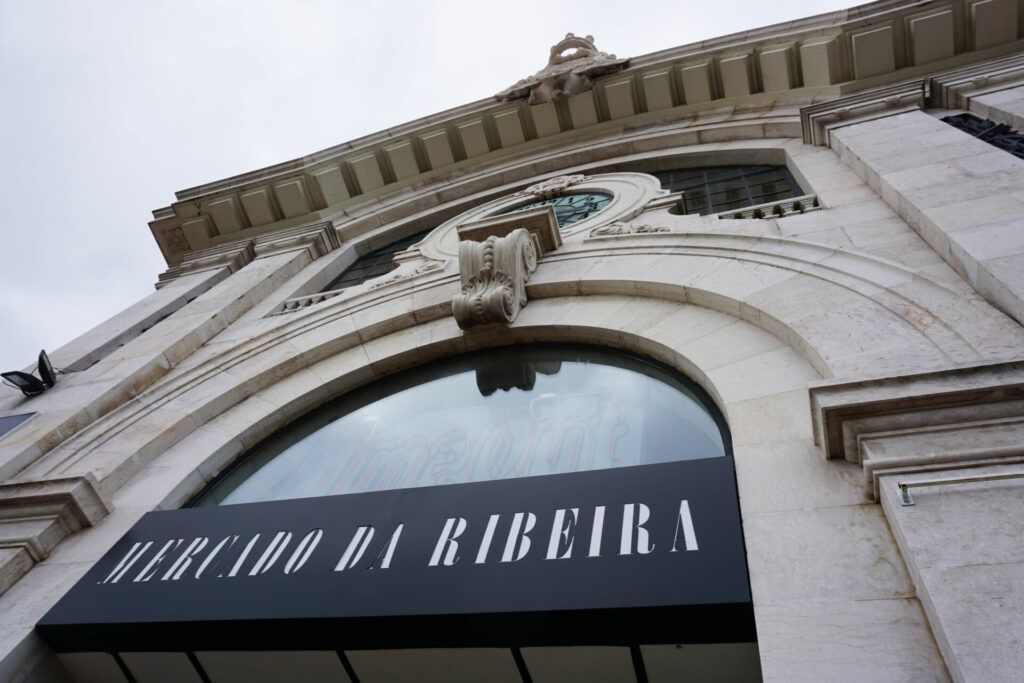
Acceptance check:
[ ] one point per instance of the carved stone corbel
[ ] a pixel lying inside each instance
(496, 258)
(494, 274)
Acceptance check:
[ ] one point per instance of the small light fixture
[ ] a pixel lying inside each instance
(29, 384)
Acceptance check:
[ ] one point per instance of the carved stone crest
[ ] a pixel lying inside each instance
(567, 73)
(494, 274)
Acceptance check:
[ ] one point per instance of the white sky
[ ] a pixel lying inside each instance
(107, 108)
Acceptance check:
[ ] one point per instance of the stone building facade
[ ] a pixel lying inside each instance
(860, 330)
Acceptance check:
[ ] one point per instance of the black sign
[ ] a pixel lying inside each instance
(645, 554)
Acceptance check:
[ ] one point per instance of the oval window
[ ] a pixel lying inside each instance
(497, 414)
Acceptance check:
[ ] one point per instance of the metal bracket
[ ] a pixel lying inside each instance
(907, 500)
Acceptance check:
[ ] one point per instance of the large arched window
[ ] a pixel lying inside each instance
(497, 414)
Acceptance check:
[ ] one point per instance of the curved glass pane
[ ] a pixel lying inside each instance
(497, 414)
(570, 208)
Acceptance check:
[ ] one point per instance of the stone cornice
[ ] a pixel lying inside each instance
(233, 256)
(953, 89)
(318, 239)
(964, 416)
(819, 119)
(37, 515)
(818, 57)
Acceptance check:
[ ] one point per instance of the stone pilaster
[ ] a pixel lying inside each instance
(944, 454)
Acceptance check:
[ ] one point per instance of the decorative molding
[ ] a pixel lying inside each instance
(797, 62)
(779, 209)
(566, 74)
(35, 516)
(494, 273)
(968, 416)
(632, 193)
(818, 120)
(619, 228)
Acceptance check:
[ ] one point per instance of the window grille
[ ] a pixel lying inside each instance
(996, 134)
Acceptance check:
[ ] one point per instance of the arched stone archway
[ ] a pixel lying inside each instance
(792, 499)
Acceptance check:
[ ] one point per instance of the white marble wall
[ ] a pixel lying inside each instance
(1002, 106)
(962, 541)
(963, 196)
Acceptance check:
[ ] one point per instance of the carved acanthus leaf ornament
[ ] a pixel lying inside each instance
(566, 74)
(494, 274)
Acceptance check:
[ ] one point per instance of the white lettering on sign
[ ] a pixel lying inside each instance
(561, 534)
(517, 535)
(303, 550)
(447, 544)
(122, 567)
(685, 523)
(643, 538)
(212, 559)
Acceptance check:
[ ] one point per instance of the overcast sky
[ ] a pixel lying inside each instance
(107, 108)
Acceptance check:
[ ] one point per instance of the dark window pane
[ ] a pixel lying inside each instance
(374, 264)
